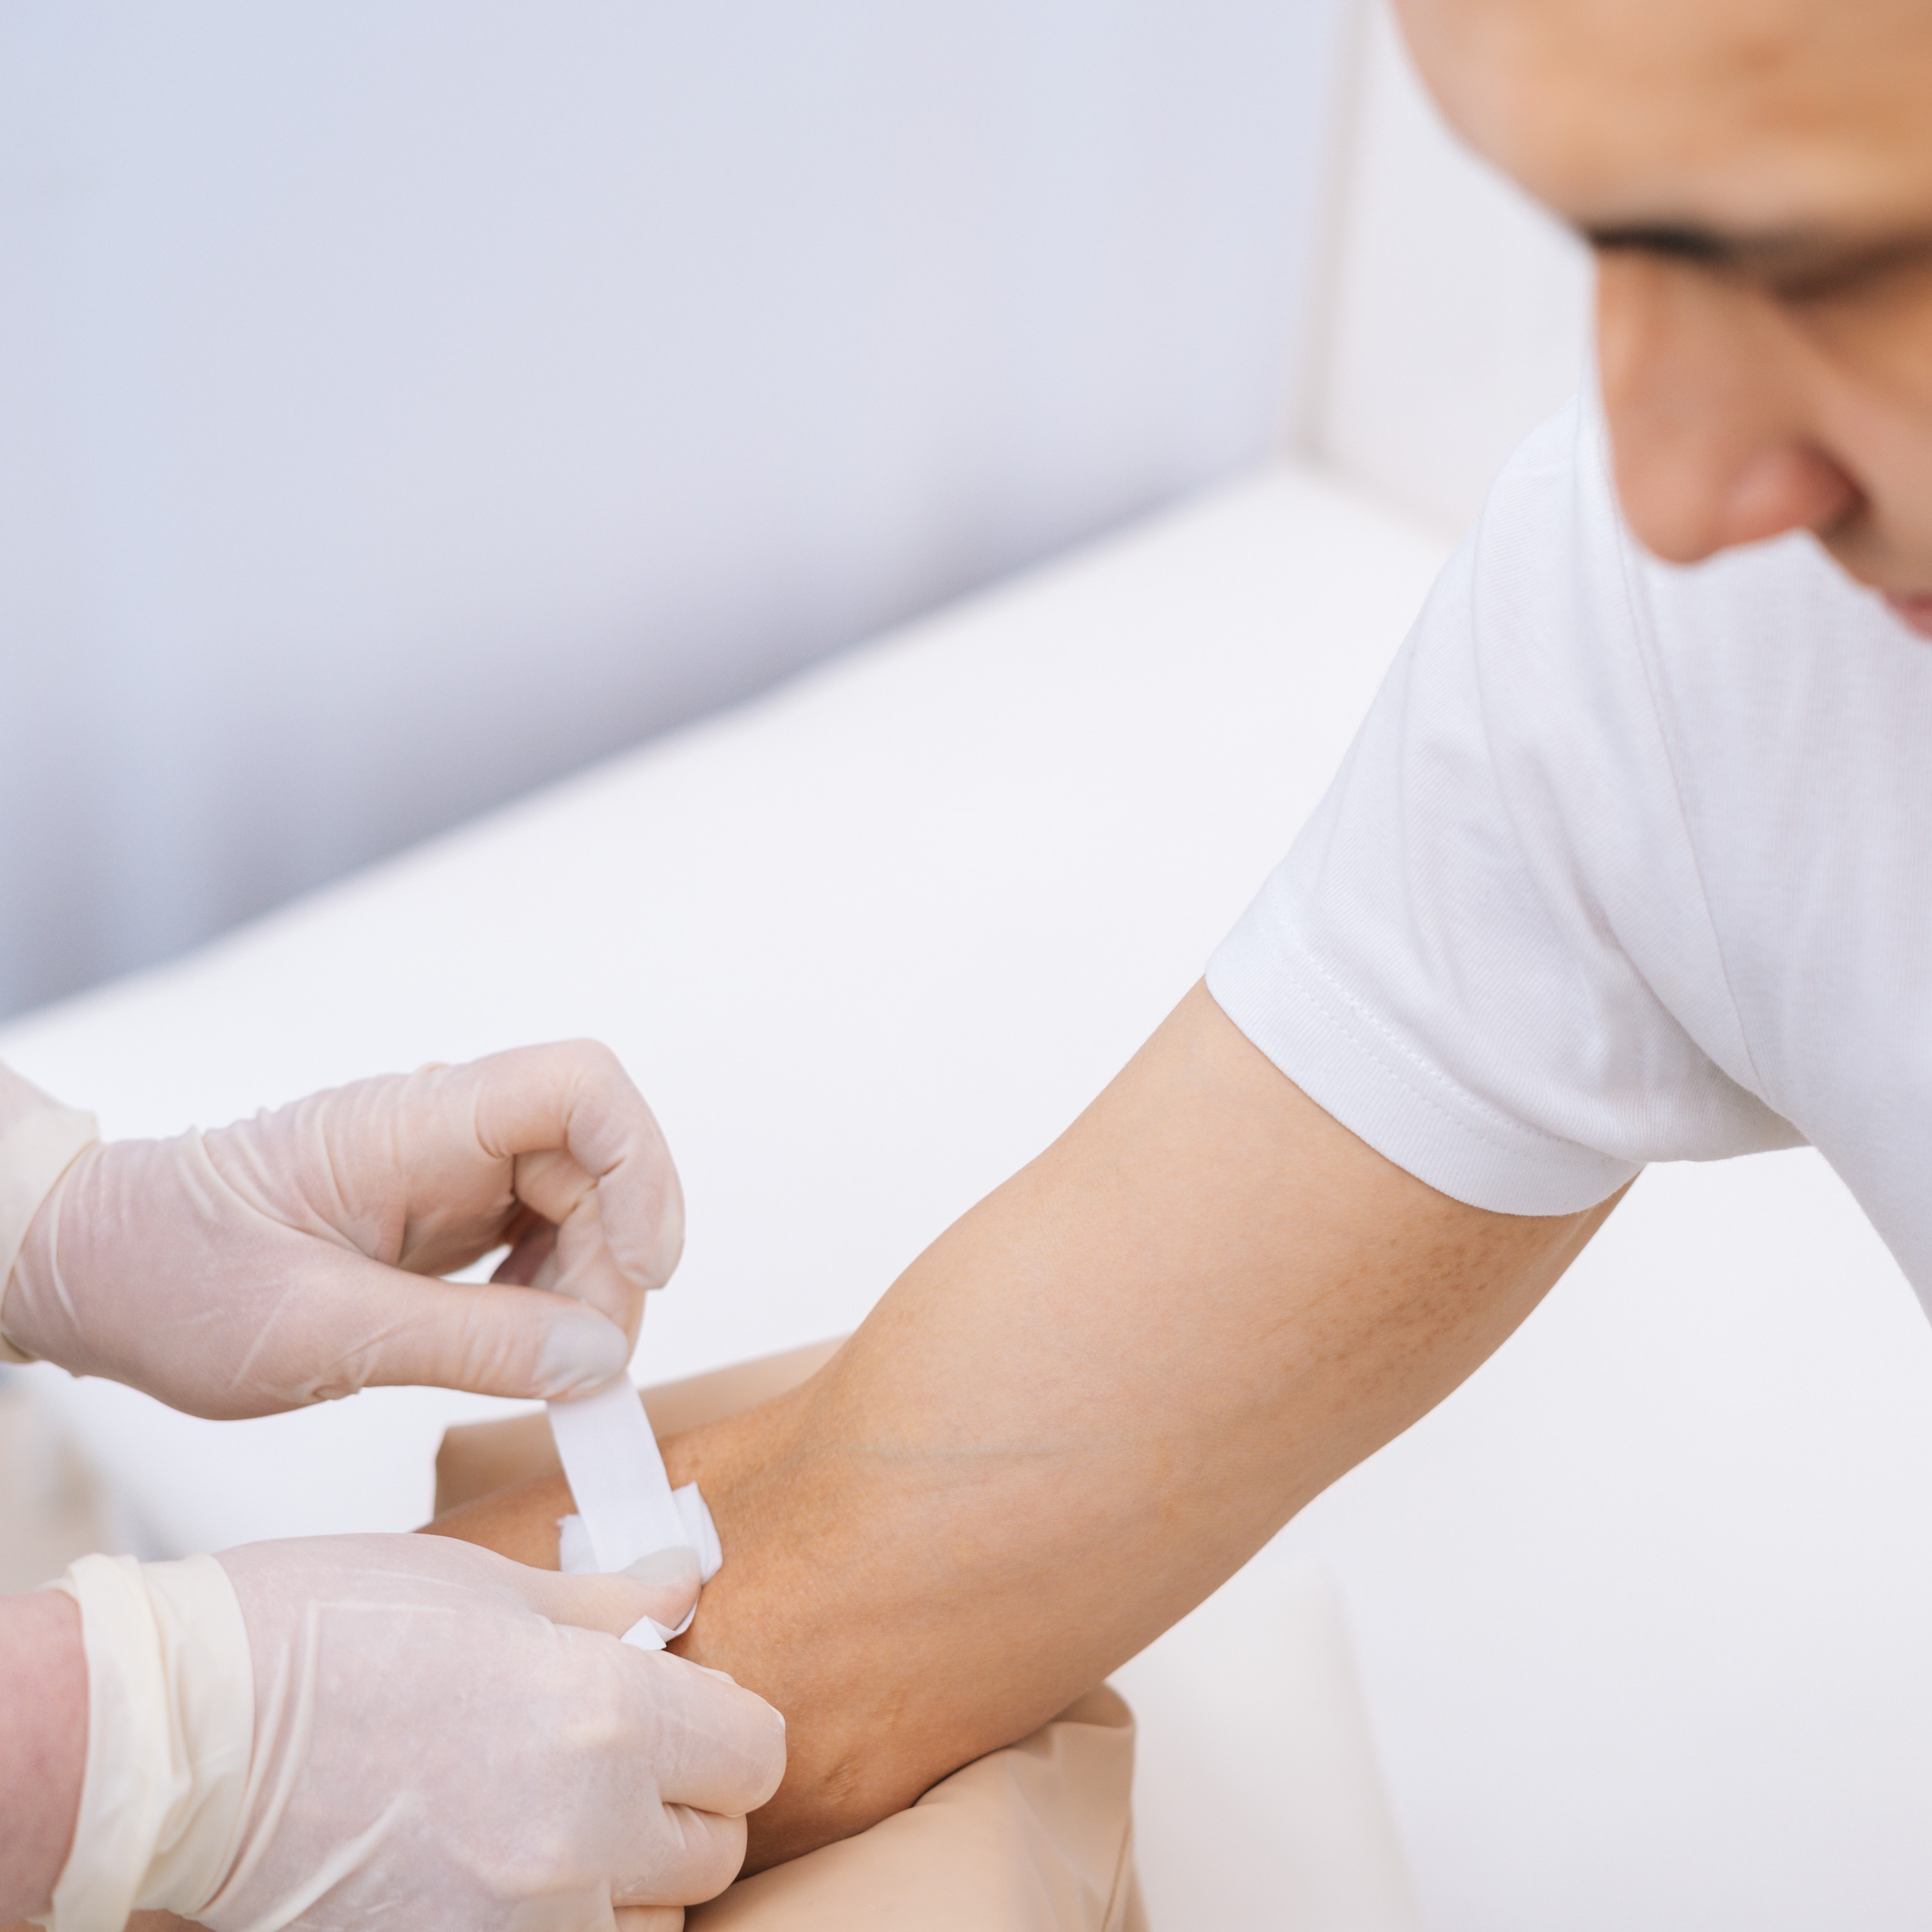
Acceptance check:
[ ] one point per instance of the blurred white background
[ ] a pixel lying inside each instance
(402, 404)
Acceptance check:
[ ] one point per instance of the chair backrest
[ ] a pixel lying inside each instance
(1454, 313)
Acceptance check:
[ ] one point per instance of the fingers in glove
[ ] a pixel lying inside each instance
(610, 1603)
(573, 1105)
(706, 1856)
(673, 1577)
(385, 1326)
(532, 1240)
(730, 1753)
(573, 1260)
(731, 1750)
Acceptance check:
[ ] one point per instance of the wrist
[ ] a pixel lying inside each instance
(40, 1141)
(43, 1746)
(790, 1616)
(170, 1719)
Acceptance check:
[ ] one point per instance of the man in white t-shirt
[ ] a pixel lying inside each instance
(1632, 861)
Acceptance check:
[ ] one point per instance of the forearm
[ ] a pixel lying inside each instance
(1079, 1411)
(42, 1745)
(1074, 1415)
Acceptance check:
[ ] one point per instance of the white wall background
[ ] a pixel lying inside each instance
(1454, 313)
(401, 404)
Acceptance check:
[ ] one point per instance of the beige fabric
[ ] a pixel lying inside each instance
(1033, 1838)
(39, 1140)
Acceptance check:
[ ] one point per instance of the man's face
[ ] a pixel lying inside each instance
(1756, 178)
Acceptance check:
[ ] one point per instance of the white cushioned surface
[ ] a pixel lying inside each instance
(1640, 1613)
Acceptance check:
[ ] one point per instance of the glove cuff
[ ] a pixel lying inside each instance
(39, 1140)
(170, 1732)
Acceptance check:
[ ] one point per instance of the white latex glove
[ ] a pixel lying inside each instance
(414, 1733)
(285, 1260)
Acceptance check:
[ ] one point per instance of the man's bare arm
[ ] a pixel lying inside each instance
(1075, 1414)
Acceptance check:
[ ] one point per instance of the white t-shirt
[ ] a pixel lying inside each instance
(1629, 862)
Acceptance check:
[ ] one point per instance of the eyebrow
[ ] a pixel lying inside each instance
(1799, 257)
(1664, 237)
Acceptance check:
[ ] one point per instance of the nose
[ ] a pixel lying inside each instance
(1705, 391)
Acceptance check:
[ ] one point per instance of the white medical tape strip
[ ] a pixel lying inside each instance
(701, 1530)
(617, 1475)
(573, 1558)
(170, 1731)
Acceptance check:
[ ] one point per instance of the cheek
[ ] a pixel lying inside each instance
(1874, 361)
(1678, 343)
(1875, 347)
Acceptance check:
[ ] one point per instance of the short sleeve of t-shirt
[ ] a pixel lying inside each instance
(1490, 953)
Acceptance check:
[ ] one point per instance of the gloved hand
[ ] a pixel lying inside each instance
(416, 1734)
(282, 1261)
